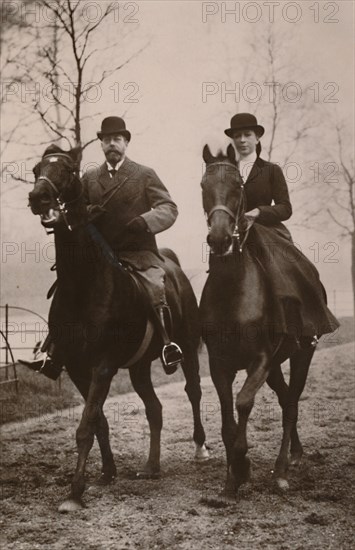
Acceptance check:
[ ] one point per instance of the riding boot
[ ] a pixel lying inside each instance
(45, 361)
(171, 354)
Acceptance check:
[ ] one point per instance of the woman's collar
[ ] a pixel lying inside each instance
(250, 159)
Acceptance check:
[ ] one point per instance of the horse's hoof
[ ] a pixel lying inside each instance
(105, 479)
(282, 484)
(243, 473)
(148, 475)
(201, 454)
(70, 505)
(228, 496)
(295, 460)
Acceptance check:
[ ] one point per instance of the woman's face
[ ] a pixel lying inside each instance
(245, 142)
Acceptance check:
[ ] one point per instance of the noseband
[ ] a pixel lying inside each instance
(235, 217)
(61, 204)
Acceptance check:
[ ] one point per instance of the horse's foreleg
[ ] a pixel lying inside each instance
(277, 383)
(257, 374)
(299, 366)
(82, 382)
(89, 424)
(190, 367)
(142, 383)
(223, 379)
(109, 471)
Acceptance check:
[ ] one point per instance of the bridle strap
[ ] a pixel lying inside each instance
(58, 155)
(235, 217)
(53, 186)
(62, 205)
(222, 207)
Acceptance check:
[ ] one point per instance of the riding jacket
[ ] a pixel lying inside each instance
(266, 184)
(135, 190)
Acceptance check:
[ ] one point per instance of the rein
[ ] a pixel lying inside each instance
(235, 217)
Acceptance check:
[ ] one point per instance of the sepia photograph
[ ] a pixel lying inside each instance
(177, 304)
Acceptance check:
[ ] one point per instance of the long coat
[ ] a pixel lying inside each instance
(135, 190)
(291, 275)
(266, 183)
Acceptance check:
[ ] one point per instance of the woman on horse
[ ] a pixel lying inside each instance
(300, 298)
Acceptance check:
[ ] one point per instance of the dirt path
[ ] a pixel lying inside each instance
(178, 511)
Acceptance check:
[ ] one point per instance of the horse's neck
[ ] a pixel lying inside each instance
(238, 275)
(85, 274)
(237, 285)
(77, 260)
(230, 268)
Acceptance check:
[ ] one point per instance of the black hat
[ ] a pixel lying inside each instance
(244, 121)
(114, 125)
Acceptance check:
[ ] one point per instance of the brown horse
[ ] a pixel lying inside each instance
(100, 320)
(237, 319)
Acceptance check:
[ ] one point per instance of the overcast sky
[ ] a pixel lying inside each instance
(171, 122)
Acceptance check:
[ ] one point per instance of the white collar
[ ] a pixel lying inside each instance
(246, 164)
(116, 167)
(250, 159)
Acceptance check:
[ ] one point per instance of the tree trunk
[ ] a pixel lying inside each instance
(353, 266)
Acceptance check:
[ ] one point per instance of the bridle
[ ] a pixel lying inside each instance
(235, 217)
(62, 205)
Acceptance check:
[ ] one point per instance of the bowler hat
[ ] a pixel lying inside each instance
(244, 121)
(114, 125)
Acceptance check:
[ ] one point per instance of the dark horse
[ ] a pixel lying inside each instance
(100, 319)
(236, 313)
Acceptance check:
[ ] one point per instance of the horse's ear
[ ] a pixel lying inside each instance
(207, 155)
(231, 153)
(75, 154)
(36, 170)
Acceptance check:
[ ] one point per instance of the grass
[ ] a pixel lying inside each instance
(39, 395)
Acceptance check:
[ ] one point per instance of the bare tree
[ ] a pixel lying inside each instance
(341, 206)
(66, 66)
(11, 51)
(283, 103)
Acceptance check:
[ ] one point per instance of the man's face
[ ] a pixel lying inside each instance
(114, 147)
(245, 142)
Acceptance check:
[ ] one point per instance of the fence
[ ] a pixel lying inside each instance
(11, 333)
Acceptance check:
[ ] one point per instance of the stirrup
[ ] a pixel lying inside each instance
(171, 356)
(315, 341)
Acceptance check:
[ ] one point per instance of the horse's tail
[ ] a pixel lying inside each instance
(170, 254)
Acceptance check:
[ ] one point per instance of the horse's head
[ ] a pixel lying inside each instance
(223, 199)
(56, 185)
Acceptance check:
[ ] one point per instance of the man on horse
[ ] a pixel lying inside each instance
(129, 205)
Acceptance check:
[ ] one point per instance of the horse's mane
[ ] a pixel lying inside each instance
(221, 155)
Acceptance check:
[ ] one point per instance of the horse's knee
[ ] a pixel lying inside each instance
(290, 413)
(245, 403)
(229, 433)
(154, 414)
(85, 435)
(193, 391)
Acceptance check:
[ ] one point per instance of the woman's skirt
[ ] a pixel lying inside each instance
(298, 298)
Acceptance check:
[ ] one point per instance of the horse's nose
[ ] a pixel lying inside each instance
(38, 198)
(219, 245)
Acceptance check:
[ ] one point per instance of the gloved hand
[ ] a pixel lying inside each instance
(252, 214)
(137, 225)
(95, 211)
